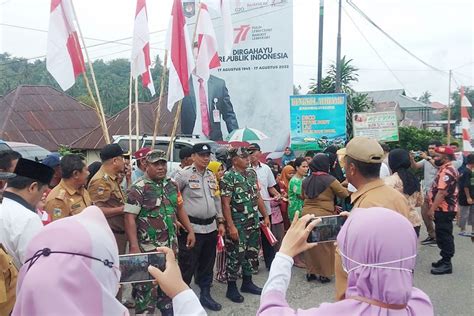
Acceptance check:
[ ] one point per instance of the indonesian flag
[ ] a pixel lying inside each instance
(141, 61)
(180, 56)
(465, 122)
(223, 8)
(207, 57)
(64, 59)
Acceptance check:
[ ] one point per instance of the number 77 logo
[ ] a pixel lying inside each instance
(242, 32)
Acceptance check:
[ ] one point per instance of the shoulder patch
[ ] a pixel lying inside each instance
(61, 195)
(100, 190)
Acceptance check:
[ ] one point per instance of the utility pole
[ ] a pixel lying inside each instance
(338, 56)
(320, 45)
(449, 108)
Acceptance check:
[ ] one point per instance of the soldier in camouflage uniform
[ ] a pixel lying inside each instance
(153, 206)
(241, 203)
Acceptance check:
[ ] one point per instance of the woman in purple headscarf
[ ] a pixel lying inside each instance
(379, 262)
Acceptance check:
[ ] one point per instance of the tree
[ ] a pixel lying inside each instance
(356, 102)
(425, 97)
(412, 138)
(456, 107)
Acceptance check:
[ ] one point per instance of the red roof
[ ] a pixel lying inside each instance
(438, 105)
(44, 116)
(118, 125)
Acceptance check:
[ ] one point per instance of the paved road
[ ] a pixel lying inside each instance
(450, 294)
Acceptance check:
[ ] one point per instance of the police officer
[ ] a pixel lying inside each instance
(241, 202)
(69, 197)
(105, 192)
(153, 206)
(202, 203)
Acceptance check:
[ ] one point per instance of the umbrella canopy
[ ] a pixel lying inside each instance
(245, 135)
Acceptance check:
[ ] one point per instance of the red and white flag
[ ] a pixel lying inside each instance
(207, 57)
(223, 8)
(141, 62)
(64, 59)
(466, 123)
(180, 56)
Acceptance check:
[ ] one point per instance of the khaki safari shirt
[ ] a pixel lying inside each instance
(373, 194)
(105, 191)
(65, 201)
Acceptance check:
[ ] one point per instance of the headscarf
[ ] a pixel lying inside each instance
(66, 284)
(399, 162)
(285, 174)
(335, 168)
(214, 167)
(320, 179)
(382, 243)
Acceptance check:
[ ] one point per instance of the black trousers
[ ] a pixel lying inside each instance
(444, 234)
(268, 250)
(199, 260)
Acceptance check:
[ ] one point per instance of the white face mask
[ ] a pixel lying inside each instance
(380, 265)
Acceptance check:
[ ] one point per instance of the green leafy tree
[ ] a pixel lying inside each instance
(456, 105)
(412, 138)
(425, 97)
(356, 102)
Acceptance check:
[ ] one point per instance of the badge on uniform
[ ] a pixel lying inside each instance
(100, 190)
(158, 202)
(57, 212)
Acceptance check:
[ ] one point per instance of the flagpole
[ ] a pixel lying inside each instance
(137, 117)
(130, 113)
(449, 109)
(160, 100)
(101, 108)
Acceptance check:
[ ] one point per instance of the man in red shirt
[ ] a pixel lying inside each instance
(443, 198)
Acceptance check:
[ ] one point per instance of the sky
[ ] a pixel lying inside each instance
(439, 32)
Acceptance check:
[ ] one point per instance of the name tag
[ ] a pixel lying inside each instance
(216, 116)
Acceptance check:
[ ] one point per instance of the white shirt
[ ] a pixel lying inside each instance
(198, 123)
(384, 171)
(266, 180)
(187, 303)
(18, 225)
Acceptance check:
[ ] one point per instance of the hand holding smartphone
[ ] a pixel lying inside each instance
(327, 230)
(134, 267)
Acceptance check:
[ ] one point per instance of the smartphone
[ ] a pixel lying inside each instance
(134, 267)
(328, 229)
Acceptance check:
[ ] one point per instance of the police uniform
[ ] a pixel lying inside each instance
(243, 192)
(202, 203)
(155, 205)
(65, 201)
(105, 191)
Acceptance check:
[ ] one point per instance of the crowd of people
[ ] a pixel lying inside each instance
(63, 225)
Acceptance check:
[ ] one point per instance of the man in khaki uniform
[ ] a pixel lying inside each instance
(363, 160)
(105, 192)
(8, 277)
(69, 197)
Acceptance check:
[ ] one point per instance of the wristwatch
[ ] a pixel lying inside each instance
(220, 220)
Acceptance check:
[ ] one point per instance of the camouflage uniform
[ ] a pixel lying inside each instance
(243, 192)
(155, 205)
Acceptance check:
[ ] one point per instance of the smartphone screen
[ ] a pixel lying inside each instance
(327, 230)
(134, 267)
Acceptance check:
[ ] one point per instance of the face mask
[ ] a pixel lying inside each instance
(439, 163)
(380, 265)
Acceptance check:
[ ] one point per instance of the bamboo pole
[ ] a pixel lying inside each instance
(160, 101)
(137, 118)
(130, 92)
(173, 132)
(94, 81)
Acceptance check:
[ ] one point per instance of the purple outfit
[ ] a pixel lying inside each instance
(379, 261)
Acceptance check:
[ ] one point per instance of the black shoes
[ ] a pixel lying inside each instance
(443, 268)
(429, 241)
(232, 292)
(437, 264)
(249, 287)
(323, 279)
(207, 301)
(311, 277)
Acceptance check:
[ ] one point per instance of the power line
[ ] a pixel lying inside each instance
(355, 7)
(375, 51)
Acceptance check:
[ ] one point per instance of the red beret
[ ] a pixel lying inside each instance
(446, 150)
(141, 153)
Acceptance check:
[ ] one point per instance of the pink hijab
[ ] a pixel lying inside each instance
(370, 239)
(67, 284)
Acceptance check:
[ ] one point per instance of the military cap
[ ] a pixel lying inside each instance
(445, 150)
(141, 153)
(238, 152)
(155, 156)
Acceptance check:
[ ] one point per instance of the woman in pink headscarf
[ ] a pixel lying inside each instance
(379, 262)
(73, 269)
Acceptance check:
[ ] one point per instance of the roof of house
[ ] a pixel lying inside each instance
(44, 116)
(438, 105)
(395, 95)
(118, 125)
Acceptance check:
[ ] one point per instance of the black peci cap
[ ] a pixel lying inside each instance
(185, 152)
(253, 147)
(34, 170)
(111, 151)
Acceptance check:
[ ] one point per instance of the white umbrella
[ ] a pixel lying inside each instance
(245, 135)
